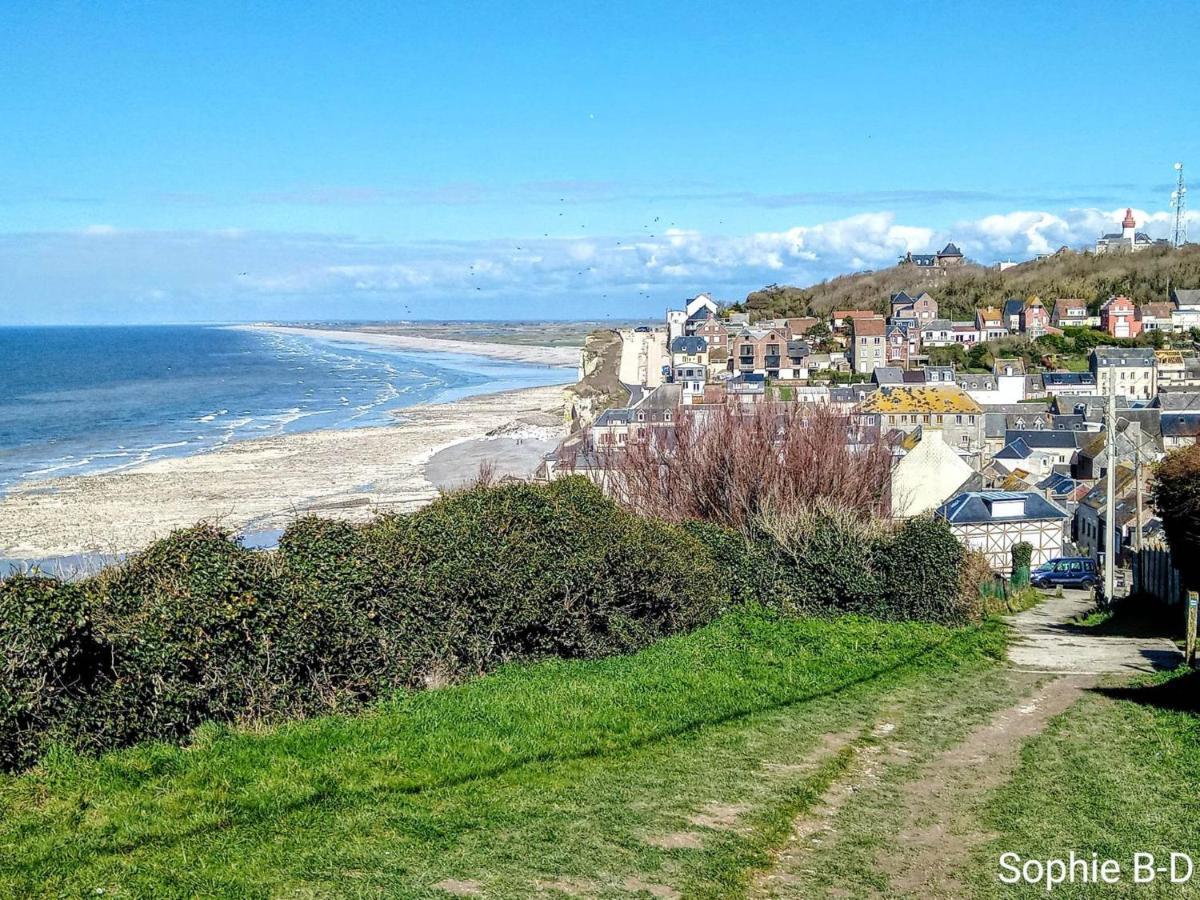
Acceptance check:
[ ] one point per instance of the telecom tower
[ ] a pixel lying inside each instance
(1179, 203)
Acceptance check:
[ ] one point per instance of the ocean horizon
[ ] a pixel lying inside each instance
(89, 399)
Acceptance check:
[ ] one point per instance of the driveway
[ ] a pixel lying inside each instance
(1046, 641)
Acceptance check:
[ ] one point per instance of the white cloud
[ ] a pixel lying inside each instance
(236, 274)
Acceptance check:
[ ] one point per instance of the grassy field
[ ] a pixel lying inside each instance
(675, 769)
(1119, 775)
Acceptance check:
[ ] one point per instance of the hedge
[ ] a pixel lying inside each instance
(198, 628)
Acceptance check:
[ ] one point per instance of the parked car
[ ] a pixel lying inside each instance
(1066, 571)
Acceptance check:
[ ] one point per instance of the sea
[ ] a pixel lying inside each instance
(80, 400)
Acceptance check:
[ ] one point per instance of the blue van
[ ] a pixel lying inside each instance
(1065, 571)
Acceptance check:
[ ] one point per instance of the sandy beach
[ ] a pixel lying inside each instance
(263, 484)
(545, 356)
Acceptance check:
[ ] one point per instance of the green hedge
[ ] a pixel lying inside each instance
(197, 628)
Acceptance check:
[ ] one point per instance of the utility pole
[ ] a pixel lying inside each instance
(1110, 524)
(1137, 477)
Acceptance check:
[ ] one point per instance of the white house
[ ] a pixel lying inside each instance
(993, 521)
(926, 475)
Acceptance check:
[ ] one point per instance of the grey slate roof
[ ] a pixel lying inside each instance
(1059, 484)
(1124, 356)
(970, 381)
(1186, 296)
(851, 393)
(950, 250)
(1174, 402)
(973, 507)
(620, 416)
(689, 344)
(1012, 307)
(888, 375)
(1017, 449)
(1184, 425)
(1068, 379)
(1048, 439)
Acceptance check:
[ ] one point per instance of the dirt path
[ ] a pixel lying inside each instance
(941, 828)
(938, 804)
(1045, 641)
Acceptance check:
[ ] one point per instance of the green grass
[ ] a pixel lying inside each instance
(1118, 774)
(538, 773)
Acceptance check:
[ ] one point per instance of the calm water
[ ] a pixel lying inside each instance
(75, 400)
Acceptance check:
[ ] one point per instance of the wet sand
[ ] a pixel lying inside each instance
(260, 485)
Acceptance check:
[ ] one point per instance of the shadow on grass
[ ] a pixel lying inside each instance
(1132, 617)
(1181, 694)
(331, 792)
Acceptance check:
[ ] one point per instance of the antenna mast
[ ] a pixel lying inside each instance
(1179, 203)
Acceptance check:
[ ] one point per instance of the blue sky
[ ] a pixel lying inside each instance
(209, 161)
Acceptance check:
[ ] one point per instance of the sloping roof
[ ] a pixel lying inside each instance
(887, 375)
(1017, 449)
(973, 381)
(950, 250)
(1178, 402)
(1068, 379)
(1124, 356)
(1160, 310)
(976, 507)
(938, 325)
(913, 377)
(663, 397)
(1183, 425)
(868, 326)
(989, 313)
(689, 344)
(613, 417)
(1048, 438)
(1059, 484)
(889, 400)
(849, 393)
(1063, 305)
(1186, 296)
(1013, 306)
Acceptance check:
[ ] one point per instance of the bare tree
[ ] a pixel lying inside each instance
(734, 464)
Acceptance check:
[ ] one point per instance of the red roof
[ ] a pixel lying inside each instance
(868, 325)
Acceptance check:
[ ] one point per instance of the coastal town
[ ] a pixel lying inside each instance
(1007, 447)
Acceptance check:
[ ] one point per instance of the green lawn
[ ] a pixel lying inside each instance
(537, 780)
(1118, 774)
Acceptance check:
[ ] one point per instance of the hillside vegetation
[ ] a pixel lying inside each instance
(199, 629)
(1144, 277)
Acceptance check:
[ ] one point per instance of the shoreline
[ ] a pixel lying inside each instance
(262, 484)
(563, 357)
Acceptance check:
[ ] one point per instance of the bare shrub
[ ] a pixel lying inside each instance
(767, 466)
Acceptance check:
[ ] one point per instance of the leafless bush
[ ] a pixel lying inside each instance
(749, 467)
